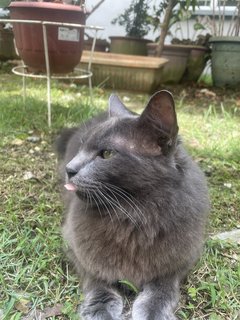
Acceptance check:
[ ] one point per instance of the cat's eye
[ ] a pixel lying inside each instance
(107, 154)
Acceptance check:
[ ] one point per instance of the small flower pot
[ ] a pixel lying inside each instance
(65, 44)
(129, 45)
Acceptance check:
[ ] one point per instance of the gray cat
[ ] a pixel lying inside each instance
(136, 207)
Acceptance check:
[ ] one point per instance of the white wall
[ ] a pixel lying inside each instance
(103, 16)
(110, 9)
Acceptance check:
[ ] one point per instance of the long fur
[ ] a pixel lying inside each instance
(139, 215)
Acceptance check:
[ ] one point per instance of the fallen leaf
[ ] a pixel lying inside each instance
(53, 311)
(37, 149)
(238, 102)
(207, 93)
(17, 142)
(33, 139)
(23, 305)
(28, 175)
(46, 313)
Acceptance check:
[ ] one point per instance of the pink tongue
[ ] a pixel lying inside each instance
(70, 187)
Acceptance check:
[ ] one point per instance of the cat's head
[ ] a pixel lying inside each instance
(126, 153)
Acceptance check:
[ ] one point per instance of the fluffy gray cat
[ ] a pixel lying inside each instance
(136, 208)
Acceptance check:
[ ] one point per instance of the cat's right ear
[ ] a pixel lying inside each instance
(160, 114)
(116, 108)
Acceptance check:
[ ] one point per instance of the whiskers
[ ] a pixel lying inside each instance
(120, 197)
(115, 202)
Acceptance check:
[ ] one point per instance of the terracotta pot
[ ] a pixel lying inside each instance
(177, 56)
(65, 44)
(129, 45)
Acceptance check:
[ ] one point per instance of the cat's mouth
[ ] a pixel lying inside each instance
(85, 189)
(86, 193)
(82, 194)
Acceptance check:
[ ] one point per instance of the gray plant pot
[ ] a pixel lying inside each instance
(225, 61)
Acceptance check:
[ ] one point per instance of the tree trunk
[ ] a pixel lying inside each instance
(165, 26)
(95, 7)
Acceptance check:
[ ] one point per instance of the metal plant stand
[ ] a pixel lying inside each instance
(76, 74)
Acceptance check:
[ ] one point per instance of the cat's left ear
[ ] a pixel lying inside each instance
(160, 114)
(116, 108)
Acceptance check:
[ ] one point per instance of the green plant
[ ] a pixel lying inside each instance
(184, 35)
(4, 12)
(168, 10)
(135, 19)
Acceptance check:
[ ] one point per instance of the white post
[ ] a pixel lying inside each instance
(44, 28)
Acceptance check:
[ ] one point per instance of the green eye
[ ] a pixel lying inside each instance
(107, 154)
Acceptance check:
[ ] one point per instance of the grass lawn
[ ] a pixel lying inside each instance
(34, 275)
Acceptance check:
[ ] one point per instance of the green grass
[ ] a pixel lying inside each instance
(34, 274)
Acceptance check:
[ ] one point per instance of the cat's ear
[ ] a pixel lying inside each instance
(116, 108)
(160, 114)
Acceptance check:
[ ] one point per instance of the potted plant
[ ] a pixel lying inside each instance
(225, 42)
(7, 50)
(196, 39)
(135, 19)
(64, 44)
(164, 17)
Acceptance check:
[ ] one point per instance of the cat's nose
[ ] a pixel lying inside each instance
(72, 168)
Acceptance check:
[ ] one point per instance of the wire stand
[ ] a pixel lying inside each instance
(76, 74)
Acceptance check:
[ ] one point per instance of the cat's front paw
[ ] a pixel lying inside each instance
(101, 305)
(98, 315)
(148, 308)
(145, 313)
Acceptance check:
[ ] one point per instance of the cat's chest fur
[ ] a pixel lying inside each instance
(108, 249)
(111, 250)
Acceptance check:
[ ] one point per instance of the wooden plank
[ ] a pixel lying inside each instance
(124, 60)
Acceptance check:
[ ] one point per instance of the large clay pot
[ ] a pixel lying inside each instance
(177, 56)
(196, 63)
(65, 44)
